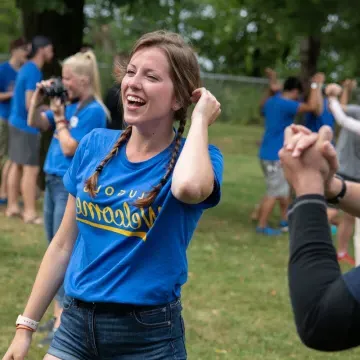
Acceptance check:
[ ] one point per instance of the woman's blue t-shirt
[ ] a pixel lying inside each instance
(125, 254)
(90, 117)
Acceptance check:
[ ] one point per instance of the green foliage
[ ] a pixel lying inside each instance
(10, 24)
(41, 5)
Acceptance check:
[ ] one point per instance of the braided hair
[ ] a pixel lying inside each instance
(91, 182)
(185, 75)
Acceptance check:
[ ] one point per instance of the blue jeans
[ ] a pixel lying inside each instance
(55, 200)
(116, 332)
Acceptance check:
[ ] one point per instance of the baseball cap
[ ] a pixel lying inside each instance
(37, 43)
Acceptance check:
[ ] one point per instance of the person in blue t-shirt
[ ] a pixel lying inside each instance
(136, 197)
(8, 72)
(24, 144)
(279, 112)
(314, 121)
(80, 76)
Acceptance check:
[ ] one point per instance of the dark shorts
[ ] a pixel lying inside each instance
(113, 332)
(24, 147)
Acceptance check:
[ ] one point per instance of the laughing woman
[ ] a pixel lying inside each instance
(135, 200)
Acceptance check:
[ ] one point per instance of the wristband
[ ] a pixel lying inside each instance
(23, 327)
(61, 122)
(341, 194)
(22, 320)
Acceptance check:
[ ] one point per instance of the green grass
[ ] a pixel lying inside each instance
(236, 302)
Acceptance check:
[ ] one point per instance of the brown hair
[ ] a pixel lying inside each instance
(185, 75)
(17, 43)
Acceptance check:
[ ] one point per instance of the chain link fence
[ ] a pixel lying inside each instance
(239, 95)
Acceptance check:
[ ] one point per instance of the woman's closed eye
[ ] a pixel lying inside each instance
(152, 77)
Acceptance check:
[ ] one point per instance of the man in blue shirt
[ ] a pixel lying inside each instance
(279, 112)
(8, 73)
(24, 140)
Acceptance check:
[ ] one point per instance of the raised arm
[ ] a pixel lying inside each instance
(341, 118)
(36, 118)
(193, 177)
(314, 103)
(327, 315)
(273, 88)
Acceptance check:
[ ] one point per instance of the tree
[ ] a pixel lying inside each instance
(10, 26)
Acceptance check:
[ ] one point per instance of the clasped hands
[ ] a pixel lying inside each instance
(309, 161)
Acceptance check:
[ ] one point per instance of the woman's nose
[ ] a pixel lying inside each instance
(134, 82)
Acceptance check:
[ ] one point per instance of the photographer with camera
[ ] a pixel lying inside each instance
(81, 86)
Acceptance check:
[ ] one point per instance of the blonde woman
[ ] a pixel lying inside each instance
(71, 122)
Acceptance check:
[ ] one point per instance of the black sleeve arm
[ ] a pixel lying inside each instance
(327, 315)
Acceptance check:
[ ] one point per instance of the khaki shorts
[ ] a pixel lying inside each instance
(4, 137)
(276, 184)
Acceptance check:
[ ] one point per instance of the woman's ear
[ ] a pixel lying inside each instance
(84, 81)
(176, 106)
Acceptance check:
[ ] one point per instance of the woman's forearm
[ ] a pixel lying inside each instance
(342, 119)
(48, 280)
(53, 266)
(37, 119)
(6, 95)
(193, 177)
(351, 201)
(67, 143)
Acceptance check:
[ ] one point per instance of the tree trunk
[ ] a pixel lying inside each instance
(309, 55)
(66, 32)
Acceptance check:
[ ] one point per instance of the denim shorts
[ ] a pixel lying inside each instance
(55, 201)
(119, 332)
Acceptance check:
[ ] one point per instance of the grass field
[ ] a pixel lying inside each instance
(236, 303)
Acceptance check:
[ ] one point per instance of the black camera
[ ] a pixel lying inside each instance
(55, 89)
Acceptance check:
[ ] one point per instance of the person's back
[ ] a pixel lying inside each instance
(315, 122)
(279, 113)
(28, 75)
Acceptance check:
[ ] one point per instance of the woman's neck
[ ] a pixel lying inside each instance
(15, 63)
(142, 145)
(85, 95)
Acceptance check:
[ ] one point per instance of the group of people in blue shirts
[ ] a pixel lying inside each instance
(279, 110)
(280, 107)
